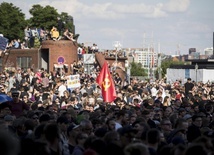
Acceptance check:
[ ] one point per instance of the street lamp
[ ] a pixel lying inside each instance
(196, 71)
(117, 47)
(128, 70)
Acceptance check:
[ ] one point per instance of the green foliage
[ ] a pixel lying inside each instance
(137, 70)
(36, 42)
(166, 64)
(12, 21)
(47, 17)
(68, 21)
(43, 16)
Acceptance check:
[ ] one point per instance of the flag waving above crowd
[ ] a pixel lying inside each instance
(3, 43)
(106, 83)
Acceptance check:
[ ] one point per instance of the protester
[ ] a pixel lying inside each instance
(79, 120)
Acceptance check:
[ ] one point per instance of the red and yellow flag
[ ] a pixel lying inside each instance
(106, 83)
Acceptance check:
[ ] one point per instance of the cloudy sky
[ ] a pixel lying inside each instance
(173, 24)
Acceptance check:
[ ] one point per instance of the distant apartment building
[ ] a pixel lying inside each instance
(148, 58)
(208, 51)
(192, 50)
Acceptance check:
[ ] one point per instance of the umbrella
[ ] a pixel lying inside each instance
(5, 98)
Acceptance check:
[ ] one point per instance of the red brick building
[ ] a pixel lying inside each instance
(51, 55)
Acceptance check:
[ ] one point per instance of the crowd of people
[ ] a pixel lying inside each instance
(33, 36)
(146, 118)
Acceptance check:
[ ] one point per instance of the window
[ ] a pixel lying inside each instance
(24, 62)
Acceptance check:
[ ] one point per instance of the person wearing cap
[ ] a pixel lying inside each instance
(4, 111)
(8, 120)
(16, 106)
(188, 118)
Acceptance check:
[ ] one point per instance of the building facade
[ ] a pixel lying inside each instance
(52, 55)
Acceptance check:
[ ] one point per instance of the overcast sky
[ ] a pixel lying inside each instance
(138, 23)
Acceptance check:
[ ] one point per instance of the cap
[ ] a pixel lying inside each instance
(8, 118)
(72, 127)
(157, 122)
(187, 116)
(189, 79)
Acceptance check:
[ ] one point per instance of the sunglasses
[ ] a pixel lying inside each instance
(15, 96)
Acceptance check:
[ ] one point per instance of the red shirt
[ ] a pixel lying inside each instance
(17, 109)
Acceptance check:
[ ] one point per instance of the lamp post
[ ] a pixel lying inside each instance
(128, 70)
(159, 67)
(117, 47)
(196, 71)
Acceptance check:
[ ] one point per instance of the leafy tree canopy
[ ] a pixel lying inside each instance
(12, 21)
(137, 70)
(67, 21)
(47, 17)
(167, 63)
(43, 16)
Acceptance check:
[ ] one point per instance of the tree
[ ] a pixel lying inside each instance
(43, 16)
(68, 21)
(137, 70)
(12, 21)
(47, 17)
(166, 64)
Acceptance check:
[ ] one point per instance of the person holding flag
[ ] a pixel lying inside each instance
(106, 83)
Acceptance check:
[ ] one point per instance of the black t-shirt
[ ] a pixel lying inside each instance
(45, 96)
(75, 68)
(71, 148)
(188, 87)
(33, 82)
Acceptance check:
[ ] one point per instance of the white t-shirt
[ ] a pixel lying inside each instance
(61, 90)
(79, 50)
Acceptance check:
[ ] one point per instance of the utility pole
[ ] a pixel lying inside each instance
(159, 63)
(117, 46)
